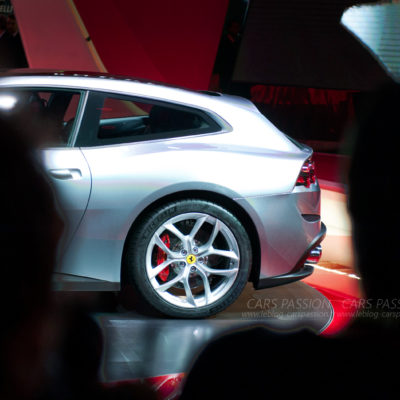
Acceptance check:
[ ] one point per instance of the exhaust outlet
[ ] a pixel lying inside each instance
(315, 255)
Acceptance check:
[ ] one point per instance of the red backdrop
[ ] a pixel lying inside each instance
(172, 41)
(51, 36)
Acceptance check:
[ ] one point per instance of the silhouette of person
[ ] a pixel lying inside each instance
(5, 45)
(17, 56)
(48, 349)
(227, 52)
(373, 203)
(258, 363)
(29, 232)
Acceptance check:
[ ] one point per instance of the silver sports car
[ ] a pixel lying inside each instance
(184, 195)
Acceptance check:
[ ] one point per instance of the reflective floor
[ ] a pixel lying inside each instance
(139, 346)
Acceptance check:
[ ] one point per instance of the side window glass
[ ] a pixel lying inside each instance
(50, 114)
(125, 120)
(72, 109)
(122, 118)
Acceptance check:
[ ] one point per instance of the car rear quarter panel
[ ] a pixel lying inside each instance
(283, 231)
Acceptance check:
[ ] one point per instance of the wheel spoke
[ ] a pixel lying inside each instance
(199, 223)
(171, 254)
(214, 271)
(213, 235)
(163, 246)
(159, 268)
(172, 228)
(167, 285)
(223, 253)
(207, 289)
(188, 290)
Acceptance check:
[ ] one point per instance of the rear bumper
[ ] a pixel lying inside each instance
(302, 273)
(300, 270)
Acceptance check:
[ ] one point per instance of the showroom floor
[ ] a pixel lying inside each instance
(137, 346)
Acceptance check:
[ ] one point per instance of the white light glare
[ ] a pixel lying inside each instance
(7, 102)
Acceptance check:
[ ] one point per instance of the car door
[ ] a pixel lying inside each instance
(70, 176)
(51, 117)
(54, 117)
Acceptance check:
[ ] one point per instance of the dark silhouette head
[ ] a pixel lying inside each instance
(234, 28)
(12, 26)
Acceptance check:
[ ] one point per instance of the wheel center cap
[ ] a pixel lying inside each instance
(191, 259)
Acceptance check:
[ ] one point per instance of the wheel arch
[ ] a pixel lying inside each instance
(238, 211)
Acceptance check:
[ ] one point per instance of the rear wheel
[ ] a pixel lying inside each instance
(189, 259)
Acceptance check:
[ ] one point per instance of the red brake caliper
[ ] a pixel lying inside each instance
(162, 256)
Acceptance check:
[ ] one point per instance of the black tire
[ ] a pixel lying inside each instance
(219, 276)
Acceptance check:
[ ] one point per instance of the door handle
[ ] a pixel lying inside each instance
(66, 173)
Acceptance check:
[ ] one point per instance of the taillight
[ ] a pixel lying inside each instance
(307, 174)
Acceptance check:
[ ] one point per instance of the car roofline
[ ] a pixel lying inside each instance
(29, 72)
(209, 100)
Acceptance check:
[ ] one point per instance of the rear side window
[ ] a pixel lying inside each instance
(121, 119)
(49, 114)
